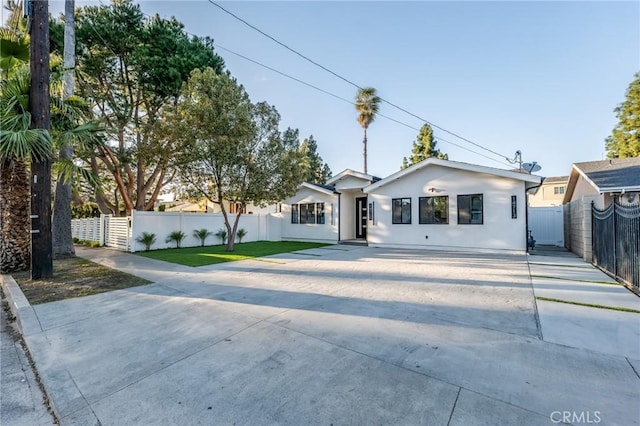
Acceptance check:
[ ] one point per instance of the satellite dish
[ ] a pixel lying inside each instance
(531, 167)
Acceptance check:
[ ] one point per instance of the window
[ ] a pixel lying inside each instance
(320, 213)
(308, 213)
(558, 190)
(401, 211)
(470, 209)
(514, 207)
(433, 210)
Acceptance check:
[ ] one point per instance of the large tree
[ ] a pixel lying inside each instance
(234, 151)
(423, 147)
(367, 105)
(131, 68)
(317, 171)
(625, 138)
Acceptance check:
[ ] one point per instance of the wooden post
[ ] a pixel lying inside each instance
(39, 104)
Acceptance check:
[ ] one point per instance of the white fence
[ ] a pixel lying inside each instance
(121, 232)
(87, 229)
(547, 225)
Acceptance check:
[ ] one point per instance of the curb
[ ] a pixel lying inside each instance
(29, 326)
(26, 317)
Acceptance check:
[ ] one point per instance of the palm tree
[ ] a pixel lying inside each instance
(367, 104)
(18, 144)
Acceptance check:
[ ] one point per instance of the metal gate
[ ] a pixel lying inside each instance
(547, 225)
(616, 241)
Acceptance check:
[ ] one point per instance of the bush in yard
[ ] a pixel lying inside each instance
(241, 234)
(202, 234)
(222, 234)
(177, 237)
(147, 238)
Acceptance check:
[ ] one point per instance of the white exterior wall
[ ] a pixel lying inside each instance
(499, 231)
(351, 182)
(326, 232)
(348, 215)
(163, 223)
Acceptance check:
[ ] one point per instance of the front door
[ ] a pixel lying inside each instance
(361, 217)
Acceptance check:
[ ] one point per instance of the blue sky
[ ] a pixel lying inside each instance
(541, 77)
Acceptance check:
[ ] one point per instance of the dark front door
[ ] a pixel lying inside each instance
(361, 217)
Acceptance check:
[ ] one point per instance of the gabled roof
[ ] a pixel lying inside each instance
(556, 179)
(325, 189)
(454, 165)
(353, 173)
(617, 175)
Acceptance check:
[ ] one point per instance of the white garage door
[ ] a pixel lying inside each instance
(547, 225)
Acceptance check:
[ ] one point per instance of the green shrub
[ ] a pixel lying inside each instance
(222, 234)
(147, 238)
(162, 207)
(202, 234)
(241, 234)
(177, 237)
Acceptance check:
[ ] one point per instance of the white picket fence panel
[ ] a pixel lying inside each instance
(87, 229)
(547, 225)
(117, 232)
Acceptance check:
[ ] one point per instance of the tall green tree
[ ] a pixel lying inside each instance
(234, 151)
(367, 105)
(131, 68)
(423, 147)
(624, 141)
(317, 171)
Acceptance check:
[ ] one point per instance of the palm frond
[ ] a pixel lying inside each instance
(25, 143)
(67, 170)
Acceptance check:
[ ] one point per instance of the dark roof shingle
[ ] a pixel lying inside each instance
(614, 173)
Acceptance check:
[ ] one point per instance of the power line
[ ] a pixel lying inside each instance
(323, 91)
(352, 83)
(346, 100)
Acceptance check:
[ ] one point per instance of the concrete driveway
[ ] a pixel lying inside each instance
(339, 335)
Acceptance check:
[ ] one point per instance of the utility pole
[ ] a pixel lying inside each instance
(39, 104)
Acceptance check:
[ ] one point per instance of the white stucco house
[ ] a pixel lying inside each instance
(437, 204)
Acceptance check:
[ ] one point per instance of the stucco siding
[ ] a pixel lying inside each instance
(498, 231)
(327, 232)
(351, 182)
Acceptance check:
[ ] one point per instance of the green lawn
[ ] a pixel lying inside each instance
(208, 255)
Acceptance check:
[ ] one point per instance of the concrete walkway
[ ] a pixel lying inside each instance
(340, 335)
(561, 275)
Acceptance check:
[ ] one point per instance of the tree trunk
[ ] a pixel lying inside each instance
(61, 226)
(364, 142)
(232, 232)
(15, 240)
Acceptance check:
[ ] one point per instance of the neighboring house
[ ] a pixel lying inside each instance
(603, 180)
(206, 206)
(550, 193)
(433, 204)
(598, 182)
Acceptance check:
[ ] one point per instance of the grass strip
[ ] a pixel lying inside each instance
(577, 280)
(590, 305)
(210, 255)
(560, 265)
